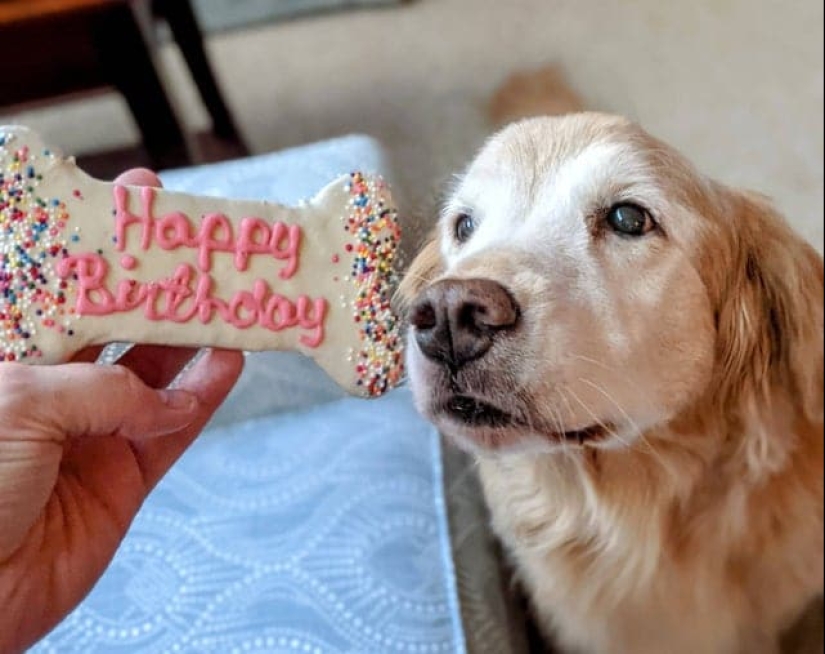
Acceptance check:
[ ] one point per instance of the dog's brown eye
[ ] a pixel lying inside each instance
(629, 220)
(464, 227)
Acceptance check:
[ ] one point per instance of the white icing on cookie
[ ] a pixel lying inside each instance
(86, 262)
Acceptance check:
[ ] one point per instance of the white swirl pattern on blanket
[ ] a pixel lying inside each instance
(316, 532)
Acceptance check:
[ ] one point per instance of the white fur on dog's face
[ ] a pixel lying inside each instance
(615, 331)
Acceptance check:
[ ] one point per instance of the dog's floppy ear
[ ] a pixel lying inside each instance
(769, 314)
(426, 266)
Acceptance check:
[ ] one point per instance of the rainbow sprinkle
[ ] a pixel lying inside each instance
(374, 226)
(32, 239)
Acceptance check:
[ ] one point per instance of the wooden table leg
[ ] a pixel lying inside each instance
(186, 31)
(127, 58)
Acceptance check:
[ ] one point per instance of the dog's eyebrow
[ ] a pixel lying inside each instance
(525, 156)
(454, 206)
(604, 173)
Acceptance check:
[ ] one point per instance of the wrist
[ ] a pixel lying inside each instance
(18, 619)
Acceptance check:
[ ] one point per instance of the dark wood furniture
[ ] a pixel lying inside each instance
(50, 49)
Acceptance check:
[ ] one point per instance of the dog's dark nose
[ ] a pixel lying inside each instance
(455, 320)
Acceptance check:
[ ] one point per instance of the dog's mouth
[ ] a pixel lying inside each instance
(472, 412)
(477, 413)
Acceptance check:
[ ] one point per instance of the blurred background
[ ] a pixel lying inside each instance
(737, 85)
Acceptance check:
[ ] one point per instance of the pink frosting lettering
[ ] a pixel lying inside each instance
(150, 309)
(129, 294)
(93, 299)
(244, 302)
(183, 296)
(208, 305)
(289, 253)
(178, 290)
(173, 231)
(279, 313)
(311, 316)
(253, 239)
(125, 218)
(209, 242)
(215, 234)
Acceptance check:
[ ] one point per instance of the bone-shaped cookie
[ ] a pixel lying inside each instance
(85, 262)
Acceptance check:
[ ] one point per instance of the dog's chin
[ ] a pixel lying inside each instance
(495, 419)
(477, 425)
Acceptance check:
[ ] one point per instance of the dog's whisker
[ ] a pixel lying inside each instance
(632, 423)
(596, 362)
(557, 418)
(630, 445)
(590, 411)
(566, 401)
(623, 376)
(418, 277)
(600, 421)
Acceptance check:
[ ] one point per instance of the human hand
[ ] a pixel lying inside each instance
(81, 447)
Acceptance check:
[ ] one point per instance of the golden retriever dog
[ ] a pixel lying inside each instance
(634, 353)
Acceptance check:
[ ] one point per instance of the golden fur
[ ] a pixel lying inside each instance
(698, 527)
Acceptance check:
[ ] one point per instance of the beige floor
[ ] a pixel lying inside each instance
(736, 84)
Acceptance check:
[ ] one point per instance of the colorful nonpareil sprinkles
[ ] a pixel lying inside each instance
(33, 234)
(374, 227)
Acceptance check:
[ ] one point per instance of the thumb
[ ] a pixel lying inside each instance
(84, 398)
(138, 177)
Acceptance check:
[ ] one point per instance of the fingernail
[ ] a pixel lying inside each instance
(177, 399)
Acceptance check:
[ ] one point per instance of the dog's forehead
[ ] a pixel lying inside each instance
(530, 167)
(581, 161)
(543, 145)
